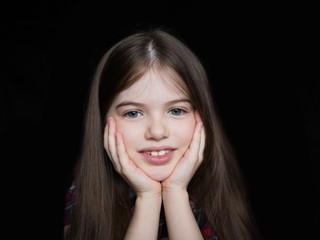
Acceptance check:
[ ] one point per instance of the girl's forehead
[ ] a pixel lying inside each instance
(156, 84)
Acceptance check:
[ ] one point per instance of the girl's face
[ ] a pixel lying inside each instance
(156, 120)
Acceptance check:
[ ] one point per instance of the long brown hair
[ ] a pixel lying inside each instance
(102, 208)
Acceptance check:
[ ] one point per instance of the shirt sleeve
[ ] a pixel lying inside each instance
(68, 209)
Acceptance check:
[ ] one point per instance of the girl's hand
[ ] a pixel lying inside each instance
(189, 163)
(134, 176)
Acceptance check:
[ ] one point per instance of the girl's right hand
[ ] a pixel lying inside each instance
(134, 176)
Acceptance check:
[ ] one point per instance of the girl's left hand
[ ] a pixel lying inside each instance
(189, 163)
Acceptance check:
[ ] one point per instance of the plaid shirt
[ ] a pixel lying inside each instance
(204, 225)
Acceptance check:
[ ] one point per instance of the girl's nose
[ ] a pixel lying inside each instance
(156, 130)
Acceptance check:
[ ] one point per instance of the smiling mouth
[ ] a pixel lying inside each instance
(158, 156)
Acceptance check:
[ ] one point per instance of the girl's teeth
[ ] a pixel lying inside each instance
(160, 153)
(163, 152)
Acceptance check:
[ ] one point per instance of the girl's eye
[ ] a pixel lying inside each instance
(132, 114)
(177, 111)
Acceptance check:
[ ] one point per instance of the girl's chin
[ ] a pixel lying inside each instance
(159, 176)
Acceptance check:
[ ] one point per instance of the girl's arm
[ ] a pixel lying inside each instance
(181, 223)
(145, 221)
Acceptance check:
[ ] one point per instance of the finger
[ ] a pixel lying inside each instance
(122, 153)
(195, 143)
(112, 144)
(189, 163)
(192, 154)
(105, 140)
(202, 144)
(197, 116)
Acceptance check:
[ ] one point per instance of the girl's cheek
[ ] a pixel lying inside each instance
(129, 133)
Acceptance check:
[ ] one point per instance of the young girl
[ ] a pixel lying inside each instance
(155, 162)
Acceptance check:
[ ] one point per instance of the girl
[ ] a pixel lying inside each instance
(155, 162)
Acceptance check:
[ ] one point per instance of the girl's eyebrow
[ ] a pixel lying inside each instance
(137, 104)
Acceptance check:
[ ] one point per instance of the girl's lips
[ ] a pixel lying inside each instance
(150, 149)
(157, 160)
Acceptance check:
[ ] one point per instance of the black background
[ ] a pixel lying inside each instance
(261, 63)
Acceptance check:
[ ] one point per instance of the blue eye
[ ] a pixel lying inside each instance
(177, 111)
(132, 114)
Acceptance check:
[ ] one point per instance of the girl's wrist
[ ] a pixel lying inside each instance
(156, 195)
(174, 194)
(149, 201)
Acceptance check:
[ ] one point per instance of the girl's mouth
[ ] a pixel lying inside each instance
(158, 157)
